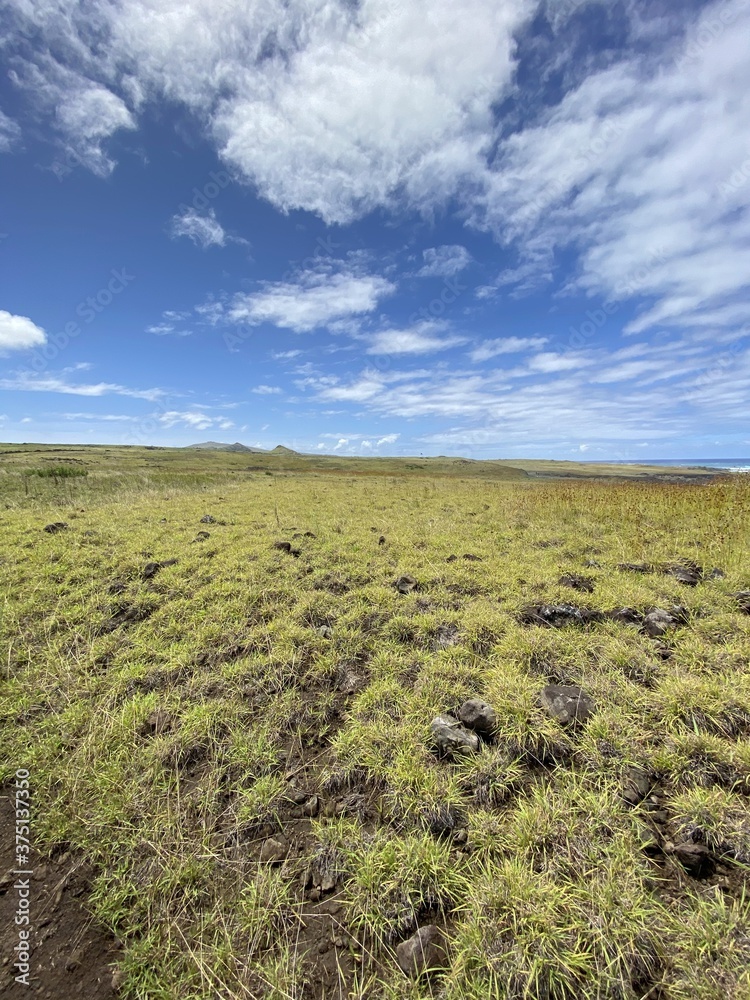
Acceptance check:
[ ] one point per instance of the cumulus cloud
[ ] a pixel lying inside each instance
(314, 298)
(444, 261)
(204, 230)
(18, 333)
(194, 419)
(342, 108)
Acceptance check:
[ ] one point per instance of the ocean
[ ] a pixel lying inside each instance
(730, 464)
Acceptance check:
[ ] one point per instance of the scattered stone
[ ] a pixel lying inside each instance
(282, 546)
(207, 519)
(636, 786)
(716, 574)
(423, 952)
(743, 599)
(298, 797)
(158, 722)
(56, 526)
(659, 621)
(445, 637)
(405, 584)
(202, 536)
(567, 703)
(689, 574)
(627, 567)
(470, 557)
(584, 584)
(479, 716)
(648, 839)
(325, 631)
(559, 615)
(696, 859)
(381, 540)
(309, 534)
(451, 559)
(625, 616)
(328, 883)
(450, 738)
(312, 806)
(152, 568)
(273, 851)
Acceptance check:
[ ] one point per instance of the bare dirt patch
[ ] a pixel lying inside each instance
(71, 955)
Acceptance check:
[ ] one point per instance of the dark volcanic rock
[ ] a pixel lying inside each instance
(626, 616)
(451, 559)
(658, 621)
(56, 526)
(152, 568)
(688, 573)
(636, 786)
(627, 567)
(567, 703)
(470, 557)
(696, 859)
(584, 584)
(716, 574)
(423, 952)
(743, 599)
(558, 615)
(405, 584)
(207, 519)
(445, 637)
(479, 716)
(450, 738)
(282, 546)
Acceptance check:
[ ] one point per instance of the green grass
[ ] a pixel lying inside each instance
(165, 720)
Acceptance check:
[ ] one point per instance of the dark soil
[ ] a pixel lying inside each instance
(71, 955)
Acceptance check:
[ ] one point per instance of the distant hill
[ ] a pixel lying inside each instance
(281, 450)
(218, 446)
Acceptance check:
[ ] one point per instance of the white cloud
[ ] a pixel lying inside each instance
(266, 390)
(314, 299)
(194, 419)
(505, 345)
(204, 230)
(422, 338)
(444, 261)
(285, 355)
(9, 133)
(18, 333)
(29, 382)
(324, 106)
(344, 108)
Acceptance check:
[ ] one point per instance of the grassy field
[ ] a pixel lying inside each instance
(239, 741)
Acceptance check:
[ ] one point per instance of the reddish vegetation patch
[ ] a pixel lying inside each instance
(71, 955)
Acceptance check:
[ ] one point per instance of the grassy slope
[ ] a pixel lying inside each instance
(552, 898)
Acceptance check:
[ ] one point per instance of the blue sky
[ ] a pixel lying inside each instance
(378, 227)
